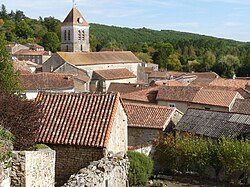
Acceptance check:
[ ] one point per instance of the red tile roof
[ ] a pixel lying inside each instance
(241, 106)
(177, 93)
(112, 74)
(169, 83)
(158, 74)
(77, 119)
(47, 81)
(27, 52)
(215, 97)
(148, 116)
(147, 95)
(235, 83)
(126, 87)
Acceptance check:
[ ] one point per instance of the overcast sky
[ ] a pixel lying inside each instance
(220, 18)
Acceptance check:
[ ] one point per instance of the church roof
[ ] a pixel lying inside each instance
(94, 58)
(75, 18)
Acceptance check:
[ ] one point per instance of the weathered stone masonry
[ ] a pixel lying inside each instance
(70, 159)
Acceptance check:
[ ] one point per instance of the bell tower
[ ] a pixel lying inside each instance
(75, 33)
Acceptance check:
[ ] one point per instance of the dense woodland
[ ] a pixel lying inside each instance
(172, 50)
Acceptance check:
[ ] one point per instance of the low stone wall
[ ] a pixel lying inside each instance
(33, 168)
(4, 176)
(108, 172)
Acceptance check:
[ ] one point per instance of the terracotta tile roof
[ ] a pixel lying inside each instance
(126, 87)
(214, 124)
(235, 83)
(73, 18)
(241, 106)
(215, 97)
(112, 74)
(148, 116)
(169, 83)
(77, 119)
(176, 73)
(158, 74)
(148, 69)
(201, 82)
(47, 81)
(92, 58)
(147, 95)
(206, 75)
(177, 93)
(28, 52)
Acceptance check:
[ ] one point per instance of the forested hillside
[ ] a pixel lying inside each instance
(172, 50)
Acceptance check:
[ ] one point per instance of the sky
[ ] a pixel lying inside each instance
(220, 18)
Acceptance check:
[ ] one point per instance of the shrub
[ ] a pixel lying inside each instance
(140, 169)
(6, 147)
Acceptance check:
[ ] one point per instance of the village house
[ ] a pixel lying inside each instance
(81, 128)
(214, 124)
(81, 77)
(76, 51)
(53, 82)
(101, 79)
(124, 88)
(147, 122)
(29, 52)
(196, 97)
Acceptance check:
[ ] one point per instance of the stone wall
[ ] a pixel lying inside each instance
(33, 168)
(142, 136)
(70, 159)
(107, 172)
(4, 176)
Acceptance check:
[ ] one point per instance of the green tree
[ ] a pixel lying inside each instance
(23, 30)
(208, 62)
(51, 42)
(3, 12)
(145, 57)
(9, 79)
(173, 62)
(164, 50)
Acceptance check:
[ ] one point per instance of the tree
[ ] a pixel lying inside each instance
(174, 63)
(3, 12)
(51, 42)
(208, 62)
(227, 66)
(21, 117)
(9, 79)
(23, 30)
(145, 57)
(164, 50)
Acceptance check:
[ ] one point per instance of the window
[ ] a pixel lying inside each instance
(207, 108)
(67, 48)
(171, 105)
(69, 35)
(79, 35)
(83, 35)
(81, 48)
(65, 35)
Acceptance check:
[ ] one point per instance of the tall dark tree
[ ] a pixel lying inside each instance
(9, 79)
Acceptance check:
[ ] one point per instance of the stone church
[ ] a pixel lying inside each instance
(92, 71)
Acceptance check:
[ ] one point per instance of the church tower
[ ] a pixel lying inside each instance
(75, 33)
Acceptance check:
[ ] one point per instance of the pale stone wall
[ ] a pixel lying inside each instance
(70, 159)
(4, 176)
(53, 63)
(146, 150)
(141, 136)
(118, 140)
(107, 172)
(182, 106)
(209, 107)
(33, 168)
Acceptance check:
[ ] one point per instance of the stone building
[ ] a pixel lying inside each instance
(75, 33)
(147, 122)
(81, 128)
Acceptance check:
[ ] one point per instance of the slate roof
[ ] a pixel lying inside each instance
(72, 18)
(47, 81)
(92, 58)
(147, 95)
(113, 74)
(215, 97)
(148, 116)
(214, 124)
(177, 93)
(241, 106)
(77, 119)
(126, 87)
